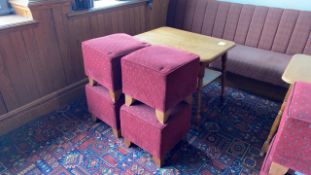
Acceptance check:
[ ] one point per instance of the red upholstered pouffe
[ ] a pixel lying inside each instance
(291, 146)
(102, 58)
(160, 77)
(102, 107)
(140, 126)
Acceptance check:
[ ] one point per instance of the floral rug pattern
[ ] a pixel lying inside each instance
(66, 141)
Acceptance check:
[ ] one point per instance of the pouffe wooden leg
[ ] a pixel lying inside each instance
(115, 95)
(94, 118)
(116, 133)
(189, 99)
(162, 116)
(91, 82)
(272, 132)
(158, 161)
(275, 125)
(129, 100)
(127, 143)
(277, 169)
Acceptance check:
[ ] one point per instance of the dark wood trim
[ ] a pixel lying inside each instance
(18, 26)
(41, 106)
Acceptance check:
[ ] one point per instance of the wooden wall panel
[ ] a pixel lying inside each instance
(156, 14)
(61, 28)
(129, 20)
(78, 31)
(108, 22)
(18, 85)
(40, 59)
(47, 65)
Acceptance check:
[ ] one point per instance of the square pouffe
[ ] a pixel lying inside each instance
(140, 126)
(102, 57)
(160, 77)
(102, 107)
(291, 146)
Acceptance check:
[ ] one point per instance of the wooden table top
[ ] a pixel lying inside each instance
(298, 69)
(208, 48)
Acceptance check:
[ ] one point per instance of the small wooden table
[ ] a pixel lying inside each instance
(298, 69)
(208, 48)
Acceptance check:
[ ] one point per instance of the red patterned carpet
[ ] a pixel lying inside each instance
(67, 142)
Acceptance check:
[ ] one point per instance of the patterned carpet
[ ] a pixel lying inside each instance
(67, 142)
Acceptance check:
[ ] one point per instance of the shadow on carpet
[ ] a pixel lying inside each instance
(228, 141)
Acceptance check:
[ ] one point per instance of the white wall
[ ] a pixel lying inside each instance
(289, 4)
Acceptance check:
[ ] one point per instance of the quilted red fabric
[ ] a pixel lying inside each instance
(140, 125)
(291, 146)
(102, 57)
(100, 105)
(160, 77)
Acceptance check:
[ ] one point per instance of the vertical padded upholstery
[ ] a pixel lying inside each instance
(256, 26)
(285, 30)
(232, 21)
(301, 33)
(279, 30)
(171, 13)
(199, 16)
(221, 18)
(180, 13)
(189, 14)
(209, 18)
(244, 23)
(307, 49)
(270, 27)
(266, 37)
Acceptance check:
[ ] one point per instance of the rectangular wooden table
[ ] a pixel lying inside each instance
(298, 69)
(208, 48)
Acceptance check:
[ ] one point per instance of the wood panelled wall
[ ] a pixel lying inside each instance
(39, 62)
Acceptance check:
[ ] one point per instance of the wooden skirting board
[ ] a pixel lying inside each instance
(41, 106)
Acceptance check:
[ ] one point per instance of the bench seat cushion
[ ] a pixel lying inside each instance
(258, 64)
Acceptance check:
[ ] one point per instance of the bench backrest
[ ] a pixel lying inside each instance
(280, 30)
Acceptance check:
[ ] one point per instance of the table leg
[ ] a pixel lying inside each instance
(273, 130)
(199, 92)
(223, 77)
(275, 125)
(277, 169)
